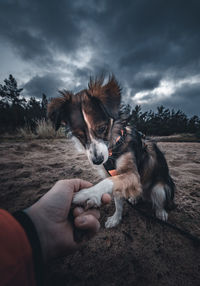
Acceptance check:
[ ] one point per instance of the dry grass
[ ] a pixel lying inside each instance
(26, 133)
(44, 130)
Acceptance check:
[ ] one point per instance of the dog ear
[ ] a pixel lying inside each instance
(109, 94)
(112, 97)
(57, 109)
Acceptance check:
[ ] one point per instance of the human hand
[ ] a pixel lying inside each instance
(50, 216)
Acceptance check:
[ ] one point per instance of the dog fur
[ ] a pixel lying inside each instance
(141, 168)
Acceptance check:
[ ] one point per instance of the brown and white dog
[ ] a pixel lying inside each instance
(140, 170)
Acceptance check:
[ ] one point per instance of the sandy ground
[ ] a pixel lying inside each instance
(137, 252)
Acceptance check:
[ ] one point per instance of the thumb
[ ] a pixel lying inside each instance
(79, 184)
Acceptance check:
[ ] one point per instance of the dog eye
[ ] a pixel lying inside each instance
(101, 129)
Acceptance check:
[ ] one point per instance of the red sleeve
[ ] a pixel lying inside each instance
(16, 261)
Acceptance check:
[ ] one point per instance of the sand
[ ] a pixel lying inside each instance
(137, 252)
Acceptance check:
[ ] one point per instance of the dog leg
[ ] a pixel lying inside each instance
(114, 220)
(92, 196)
(158, 198)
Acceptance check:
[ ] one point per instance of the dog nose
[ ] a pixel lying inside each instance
(98, 160)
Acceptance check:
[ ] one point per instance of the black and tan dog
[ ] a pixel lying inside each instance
(136, 169)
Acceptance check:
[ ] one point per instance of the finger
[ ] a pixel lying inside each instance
(106, 199)
(94, 212)
(80, 211)
(87, 222)
(79, 184)
(84, 184)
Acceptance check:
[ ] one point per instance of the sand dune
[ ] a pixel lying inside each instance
(139, 251)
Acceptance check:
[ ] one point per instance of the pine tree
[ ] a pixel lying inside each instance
(10, 93)
(44, 104)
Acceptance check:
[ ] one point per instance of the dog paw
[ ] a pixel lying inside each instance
(80, 197)
(94, 202)
(87, 197)
(112, 221)
(162, 215)
(92, 196)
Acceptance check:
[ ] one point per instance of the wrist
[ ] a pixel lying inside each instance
(41, 228)
(29, 227)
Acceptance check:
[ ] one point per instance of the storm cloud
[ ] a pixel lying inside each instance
(152, 46)
(47, 84)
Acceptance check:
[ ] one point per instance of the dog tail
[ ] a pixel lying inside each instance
(169, 193)
(169, 185)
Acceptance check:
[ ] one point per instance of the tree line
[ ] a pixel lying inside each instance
(163, 121)
(17, 111)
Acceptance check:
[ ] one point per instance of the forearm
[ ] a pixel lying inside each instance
(34, 241)
(17, 259)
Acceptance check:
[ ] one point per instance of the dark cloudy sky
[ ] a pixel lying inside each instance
(152, 46)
